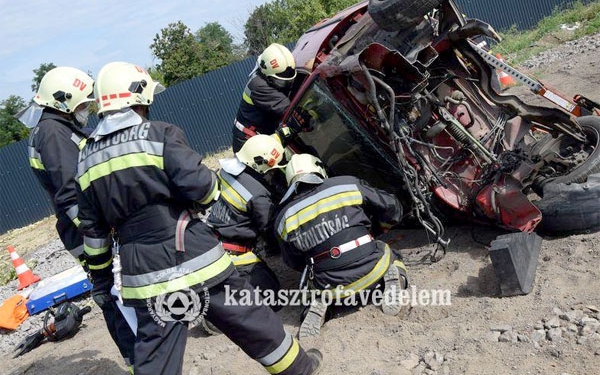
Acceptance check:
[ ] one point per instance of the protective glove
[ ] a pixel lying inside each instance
(283, 134)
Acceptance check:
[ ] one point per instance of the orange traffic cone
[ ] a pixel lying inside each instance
(505, 79)
(25, 275)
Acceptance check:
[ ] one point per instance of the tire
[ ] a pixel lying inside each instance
(570, 208)
(396, 15)
(571, 203)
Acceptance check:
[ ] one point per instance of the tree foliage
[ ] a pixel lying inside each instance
(11, 129)
(284, 21)
(184, 55)
(39, 74)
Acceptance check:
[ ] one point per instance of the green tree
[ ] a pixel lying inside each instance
(334, 6)
(39, 74)
(184, 55)
(216, 47)
(11, 129)
(261, 29)
(178, 53)
(284, 21)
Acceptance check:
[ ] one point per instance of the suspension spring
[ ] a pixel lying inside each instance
(459, 134)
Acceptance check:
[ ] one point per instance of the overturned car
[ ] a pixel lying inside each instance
(401, 94)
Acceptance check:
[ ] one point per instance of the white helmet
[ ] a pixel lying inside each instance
(304, 164)
(120, 85)
(261, 152)
(64, 88)
(278, 62)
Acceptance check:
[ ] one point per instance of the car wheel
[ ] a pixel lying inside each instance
(396, 15)
(571, 202)
(570, 208)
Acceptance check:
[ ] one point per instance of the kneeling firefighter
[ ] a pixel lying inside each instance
(325, 229)
(245, 210)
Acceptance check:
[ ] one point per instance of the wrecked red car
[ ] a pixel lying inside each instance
(401, 94)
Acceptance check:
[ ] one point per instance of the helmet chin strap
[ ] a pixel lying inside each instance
(279, 84)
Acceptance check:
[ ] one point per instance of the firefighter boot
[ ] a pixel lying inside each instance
(317, 360)
(395, 280)
(314, 319)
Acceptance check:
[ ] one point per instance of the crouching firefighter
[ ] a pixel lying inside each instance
(141, 177)
(58, 116)
(324, 226)
(245, 210)
(266, 95)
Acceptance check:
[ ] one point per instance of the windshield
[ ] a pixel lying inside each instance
(341, 141)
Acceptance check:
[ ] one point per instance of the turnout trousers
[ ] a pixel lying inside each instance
(255, 328)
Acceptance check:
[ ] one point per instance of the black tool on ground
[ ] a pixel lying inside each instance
(67, 319)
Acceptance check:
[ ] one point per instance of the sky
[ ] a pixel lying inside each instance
(88, 34)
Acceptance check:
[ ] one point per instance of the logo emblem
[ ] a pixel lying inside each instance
(178, 305)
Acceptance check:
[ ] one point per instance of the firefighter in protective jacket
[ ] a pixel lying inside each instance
(324, 226)
(140, 178)
(57, 116)
(245, 210)
(265, 97)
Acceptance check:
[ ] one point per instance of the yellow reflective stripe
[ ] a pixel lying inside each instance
(141, 159)
(100, 266)
(213, 193)
(94, 251)
(285, 362)
(76, 221)
(247, 98)
(36, 164)
(244, 259)
(398, 263)
(334, 202)
(366, 281)
(186, 281)
(232, 197)
(82, 143)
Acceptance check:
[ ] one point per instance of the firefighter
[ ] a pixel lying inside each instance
(58, 116)
(245, 210)
(325, 229)
(141, 178)
(265, 97)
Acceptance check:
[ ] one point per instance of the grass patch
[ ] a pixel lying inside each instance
(522, 44)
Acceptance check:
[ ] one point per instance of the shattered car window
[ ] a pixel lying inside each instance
(337, 137)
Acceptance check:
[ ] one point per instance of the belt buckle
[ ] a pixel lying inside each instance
(335, 253)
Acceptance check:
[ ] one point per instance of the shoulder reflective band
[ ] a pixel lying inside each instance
(233, 192)
(325, 201)
(246, 95)
(138, 153)
(35, 159)
(79, 141)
